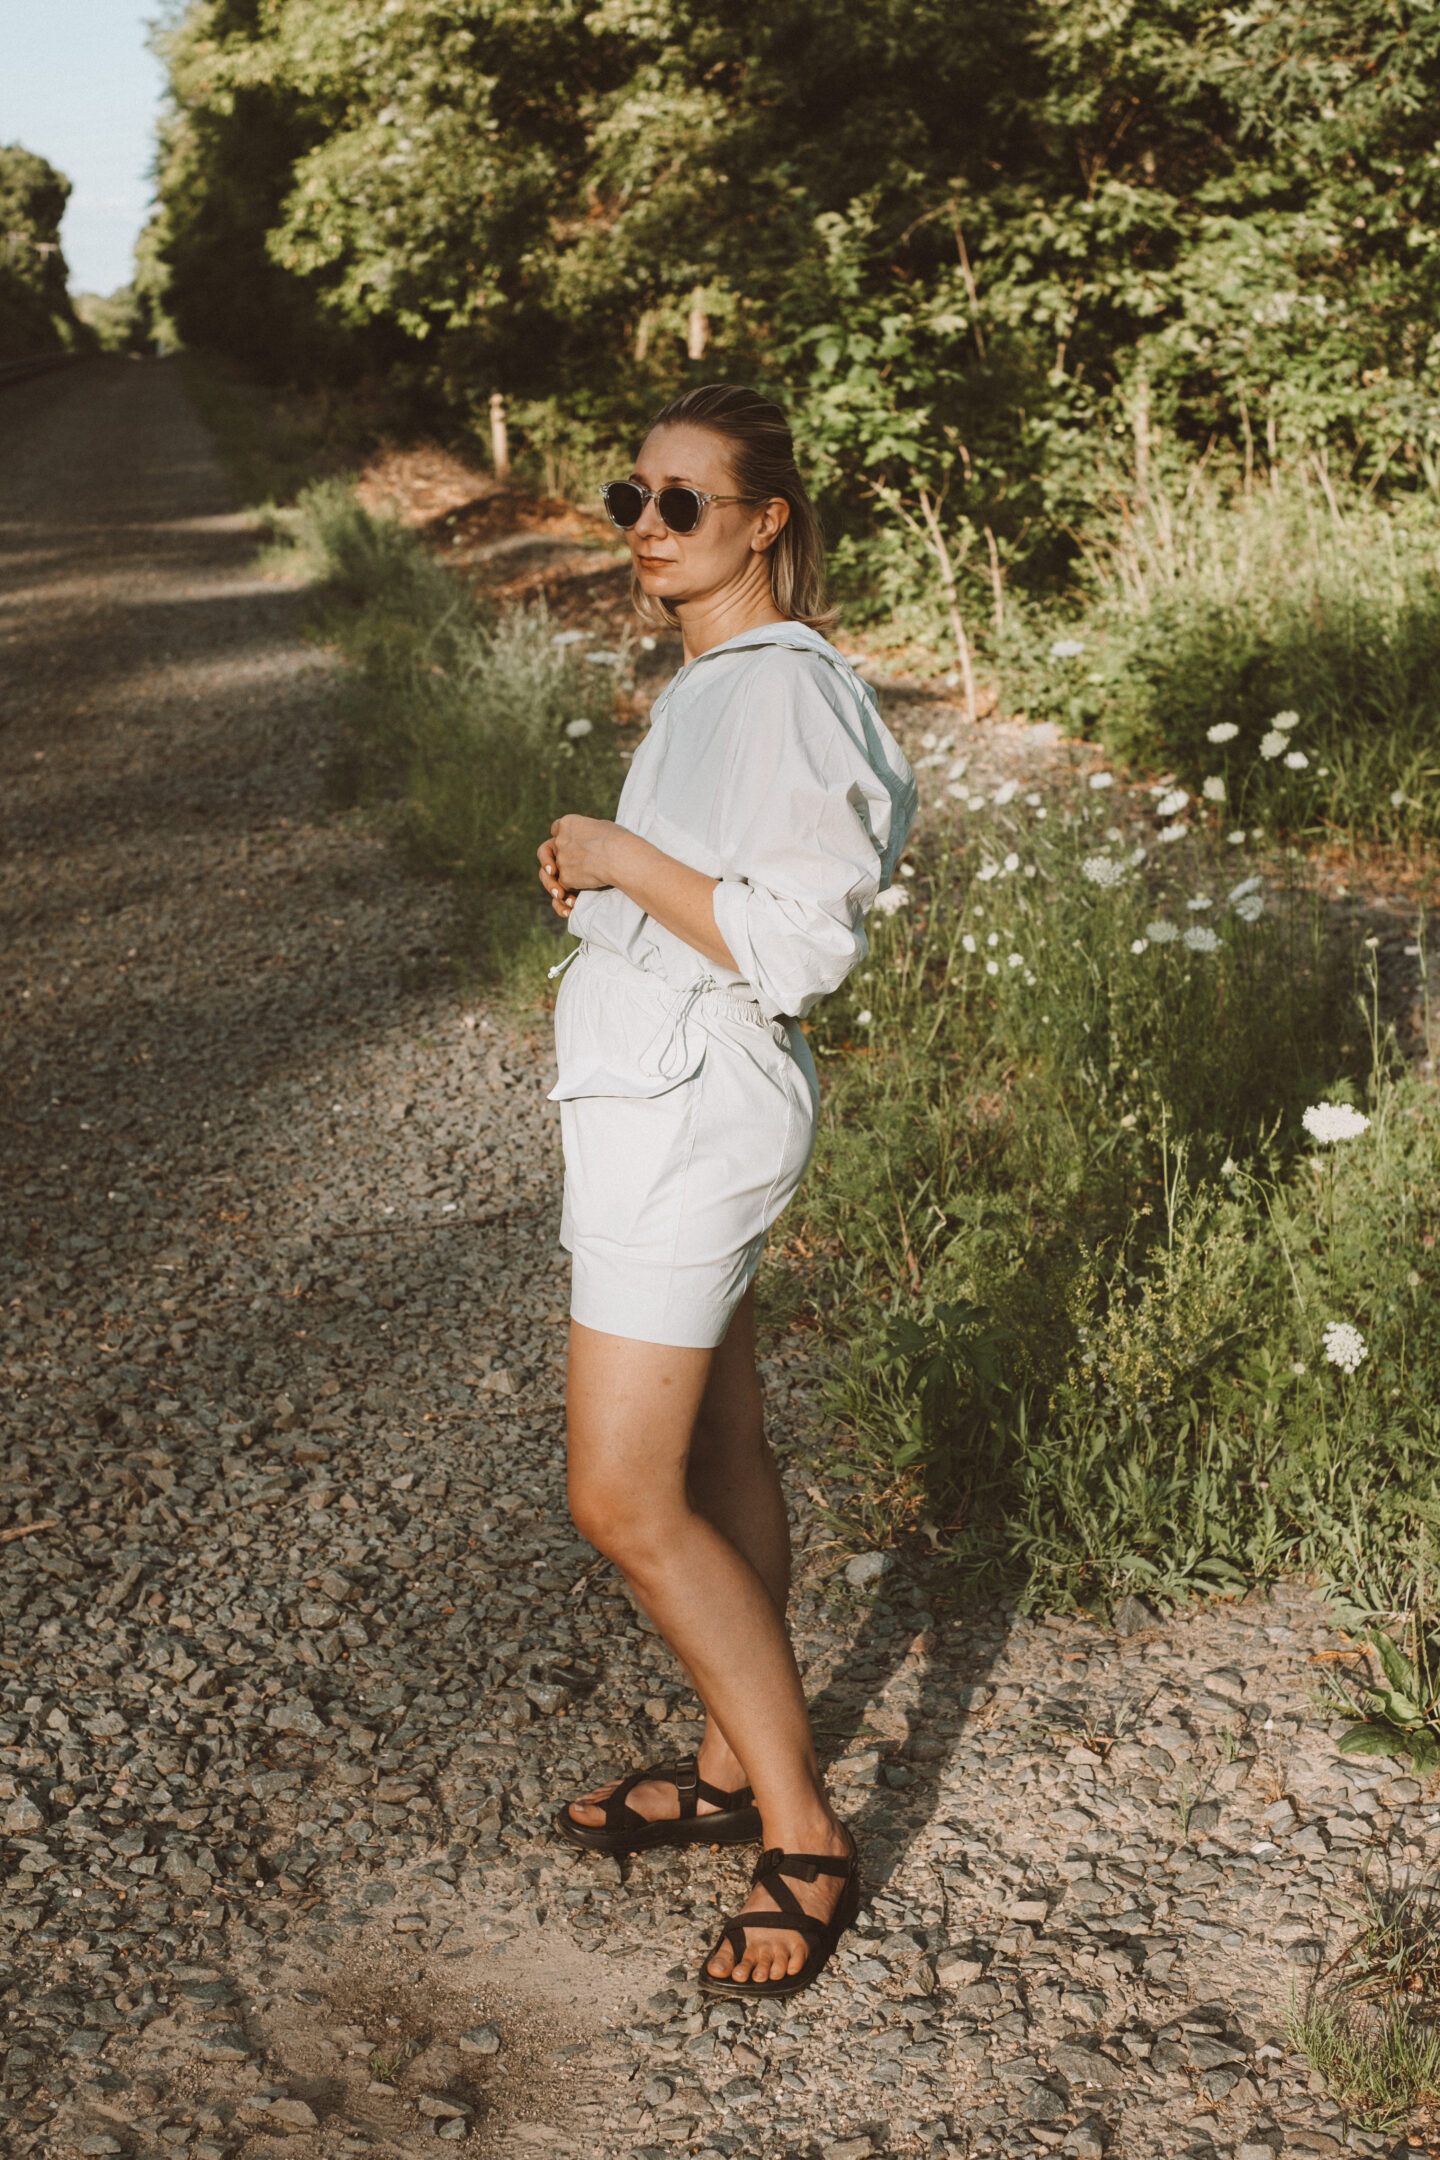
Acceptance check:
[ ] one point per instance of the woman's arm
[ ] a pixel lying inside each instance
(587, 854)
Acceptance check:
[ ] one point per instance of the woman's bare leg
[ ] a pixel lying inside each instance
(636, 1493)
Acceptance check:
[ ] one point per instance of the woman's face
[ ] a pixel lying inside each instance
(728, 547)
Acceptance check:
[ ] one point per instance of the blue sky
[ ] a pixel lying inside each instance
(77, 84)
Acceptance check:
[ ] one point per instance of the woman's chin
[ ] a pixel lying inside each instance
(661, 585)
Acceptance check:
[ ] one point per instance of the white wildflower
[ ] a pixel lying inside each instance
(957, 793)
(1344, 1345)
(1030, 870)
(1235, 839)
(1042, 811)
(1272, 744)
(1137, 857)
(1296, 760)
(1201, 940)
(992, 967)
(863, 1019)
(1102, 780)
(569, 637)
(605, 659)
(1299, 1368)
(928, 741)
(1012, 864)
(1067, 648)
(1201, 900)
(1223, 731)
(1251, 908)
(1139, 945)
(968, 942)
(576, 728)
(1328, 1121)
(1229, 1168)
(1101, 870)
(1015, 960)
(1177, 831)
(1213, 788)
(958, 769)
(1246, 885)
(1113, 832)
(647, 644)
(1033, 801)
(976, 802)
(986, 871)
(1006, 792)
(1285, 721)
(1171, 803)
(892, 899)
(1161, 933)
(907, 869)
(994, 938)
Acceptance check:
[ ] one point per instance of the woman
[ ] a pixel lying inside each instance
(763, 812)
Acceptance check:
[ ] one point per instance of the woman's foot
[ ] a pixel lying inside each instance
(779, 1953)
(658, 1799)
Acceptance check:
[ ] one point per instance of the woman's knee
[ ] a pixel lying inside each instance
(621, 1520)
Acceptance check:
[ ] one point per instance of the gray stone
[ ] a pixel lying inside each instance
(480, 2040)
(867, 1568)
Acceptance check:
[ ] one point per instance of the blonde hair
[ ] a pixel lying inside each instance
(762, 456)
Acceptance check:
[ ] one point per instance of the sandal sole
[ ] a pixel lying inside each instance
(740, 1828)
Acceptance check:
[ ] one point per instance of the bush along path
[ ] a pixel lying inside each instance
(299, 1644)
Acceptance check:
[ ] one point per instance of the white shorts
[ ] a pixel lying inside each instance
(688, 1120)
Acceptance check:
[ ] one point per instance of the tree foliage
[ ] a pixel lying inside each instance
(35, 311)
(970, 241)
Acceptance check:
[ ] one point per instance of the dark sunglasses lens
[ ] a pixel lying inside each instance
(680, 508)
(624, 502)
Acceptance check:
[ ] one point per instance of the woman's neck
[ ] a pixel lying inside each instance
(712, 619)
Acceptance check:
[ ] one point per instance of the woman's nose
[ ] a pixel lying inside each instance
(650, 525)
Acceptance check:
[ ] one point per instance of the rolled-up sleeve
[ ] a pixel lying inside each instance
(807, 821)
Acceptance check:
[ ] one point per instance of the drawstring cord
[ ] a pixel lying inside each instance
(676, 1037)
(573, 954)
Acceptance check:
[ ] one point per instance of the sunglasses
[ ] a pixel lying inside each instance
(680, 508)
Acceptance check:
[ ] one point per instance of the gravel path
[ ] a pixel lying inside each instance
(298, 1641)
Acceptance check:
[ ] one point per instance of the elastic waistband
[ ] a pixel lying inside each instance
(704, 995)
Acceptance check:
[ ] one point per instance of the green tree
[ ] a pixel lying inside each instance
(35, 311)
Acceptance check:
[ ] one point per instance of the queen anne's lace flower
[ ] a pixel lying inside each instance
(1199, 939)
(576, 728)
(1201, 900)
(1223, 731)
(1011, 864)
(1331, 1121)
(1272, 744)
(1161, 933)
(1296, 760)
(1007, 791)
(1285, 721)
(1101, 870)
(992, 967)
(1102, 779)
(1251, 908)
(863, 1019)
(1015, 959)
(1344, 1345)
(1213, 788)
(1171, 803)
(968, 942)
(1235, 839)
(1177, 831)
(891, 900)
(1067, 648)
(1139, 944)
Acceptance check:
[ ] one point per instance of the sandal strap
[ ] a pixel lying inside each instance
(690, 1787)
(797, 1923)
(800, 1867)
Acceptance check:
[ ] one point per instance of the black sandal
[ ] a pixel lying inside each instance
(822, 1935)
(734, 1820)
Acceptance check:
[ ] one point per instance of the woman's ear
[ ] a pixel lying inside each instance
(773, 519)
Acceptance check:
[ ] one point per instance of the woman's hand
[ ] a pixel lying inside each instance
(582, 849)
(560, 899)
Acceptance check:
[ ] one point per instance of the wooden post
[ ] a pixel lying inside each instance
(499, 437)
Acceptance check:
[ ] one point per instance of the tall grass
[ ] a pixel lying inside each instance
(470, 734)
(1083, 1249)
(1219, 601)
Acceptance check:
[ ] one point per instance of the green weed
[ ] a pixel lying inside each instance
(1382, 2063)
(1087, 1258)
(470, 736)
